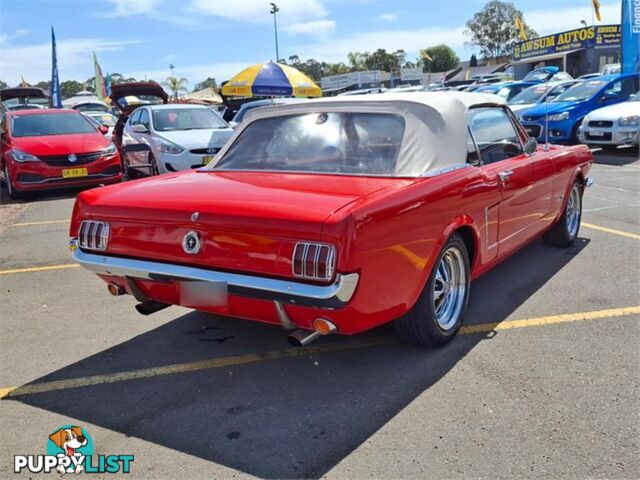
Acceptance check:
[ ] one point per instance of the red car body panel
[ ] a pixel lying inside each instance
(388, 230)
(45, 174)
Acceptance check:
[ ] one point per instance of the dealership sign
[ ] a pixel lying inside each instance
(355, 78)
(598, 36)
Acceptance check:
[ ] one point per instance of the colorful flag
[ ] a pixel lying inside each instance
(630, 58)
(521, 32)
(55, 97)
(596, 9)
(98, 80)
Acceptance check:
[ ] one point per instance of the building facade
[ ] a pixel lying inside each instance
(577, 52)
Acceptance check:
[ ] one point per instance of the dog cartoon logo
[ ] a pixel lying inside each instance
(73, 442)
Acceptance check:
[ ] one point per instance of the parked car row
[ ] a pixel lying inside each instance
(88, 145)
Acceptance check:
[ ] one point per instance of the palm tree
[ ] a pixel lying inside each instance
(176, 85)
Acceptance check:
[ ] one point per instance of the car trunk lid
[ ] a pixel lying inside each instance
(247, 221)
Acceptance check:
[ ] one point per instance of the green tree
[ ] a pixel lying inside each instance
(357, 60)
(443, 59)
(119, 78)
(493, 29)
(176, 85)
(45, 85)
(210, 82)
(473, 61)
(69, 88)
(3, 85)
(382, 60)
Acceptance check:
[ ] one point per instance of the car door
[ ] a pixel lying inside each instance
(524, 200)
(129, 137)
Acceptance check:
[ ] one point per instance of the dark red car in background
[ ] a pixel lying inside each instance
(47, 148)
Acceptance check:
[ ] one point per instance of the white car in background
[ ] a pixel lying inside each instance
(532, 96)
(612, 126)
(180, 136)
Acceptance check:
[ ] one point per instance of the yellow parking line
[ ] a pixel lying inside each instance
(295, 352)
(550, 320)
(611, 230)
(46, 222)
(38, 269)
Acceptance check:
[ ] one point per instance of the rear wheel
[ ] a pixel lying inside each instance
(437, 315)
(566, 229)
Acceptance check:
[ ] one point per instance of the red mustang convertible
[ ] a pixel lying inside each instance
(339, 215)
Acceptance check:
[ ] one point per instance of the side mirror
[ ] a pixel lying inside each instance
(233, 124)
(140, 128)
(103, 129)
(530, 146)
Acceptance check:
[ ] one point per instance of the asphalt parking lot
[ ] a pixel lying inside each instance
(544, 380)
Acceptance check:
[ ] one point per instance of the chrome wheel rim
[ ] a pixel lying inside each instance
(449, 288)
(574, 209)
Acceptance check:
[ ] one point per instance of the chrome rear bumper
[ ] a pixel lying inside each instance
(333, 296)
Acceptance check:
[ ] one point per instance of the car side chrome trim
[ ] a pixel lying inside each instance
(448, 169)
(333, 296)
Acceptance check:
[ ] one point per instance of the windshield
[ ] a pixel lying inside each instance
(103, 119)
(581, 91)
(530, 95)
(91, 107)
(168, 119)
(37, 125)
(338, 143)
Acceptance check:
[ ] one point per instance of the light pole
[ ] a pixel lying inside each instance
(273, 11)
(584, 23)
(171, 67)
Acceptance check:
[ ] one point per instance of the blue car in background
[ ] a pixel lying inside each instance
(506, 90)
(566, 111)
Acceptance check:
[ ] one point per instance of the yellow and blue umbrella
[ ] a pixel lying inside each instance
(271, 79)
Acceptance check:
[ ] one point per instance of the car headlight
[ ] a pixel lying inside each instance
(110, 150)
(171, 148)
(630, 121)
(558, 117)
(20, 156)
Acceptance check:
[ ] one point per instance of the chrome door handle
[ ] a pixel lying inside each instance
(504, 175)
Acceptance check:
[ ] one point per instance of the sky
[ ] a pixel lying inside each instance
(218, 38)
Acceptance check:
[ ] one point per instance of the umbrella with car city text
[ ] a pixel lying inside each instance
(271, 80)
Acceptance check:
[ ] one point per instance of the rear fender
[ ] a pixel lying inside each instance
(461, 221)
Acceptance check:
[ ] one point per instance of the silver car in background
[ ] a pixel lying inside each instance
(612, 126)
(180, 136)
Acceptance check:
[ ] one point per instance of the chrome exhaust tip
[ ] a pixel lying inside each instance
(115, 290)
(322, 327)
(150, 306)
(300, 338)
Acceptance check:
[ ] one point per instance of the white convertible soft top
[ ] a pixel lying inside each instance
(435, 135)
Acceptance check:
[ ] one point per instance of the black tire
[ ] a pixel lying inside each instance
(153, 170)
(565, 231)
(420, 325)
(575, 139)
(11, 189)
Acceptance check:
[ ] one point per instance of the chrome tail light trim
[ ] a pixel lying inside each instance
(305, 253)
(93, 235)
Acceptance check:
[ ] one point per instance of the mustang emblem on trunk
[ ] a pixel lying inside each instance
(191, 243)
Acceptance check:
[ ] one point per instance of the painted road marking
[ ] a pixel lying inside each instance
(611, 230)
(213, 363)
(39, 269)
(46, 222)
